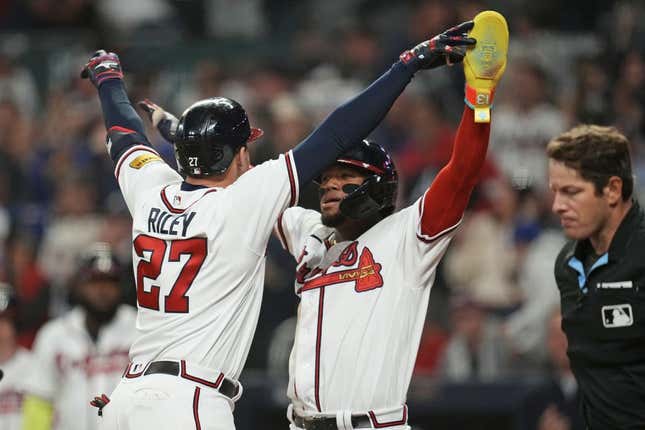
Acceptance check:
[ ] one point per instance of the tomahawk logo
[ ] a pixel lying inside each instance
(617, 316)
(366, 277)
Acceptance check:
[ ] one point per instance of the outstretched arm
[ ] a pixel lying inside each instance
(445, 201)
(138, 167)
(354, 120)
(124, 127)
(447, 197)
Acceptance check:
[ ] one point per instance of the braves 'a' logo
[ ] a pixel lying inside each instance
(366, 277)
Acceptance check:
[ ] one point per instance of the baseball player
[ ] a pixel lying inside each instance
(15, 363)
(200, 236)
(364, 273)
(81, 353)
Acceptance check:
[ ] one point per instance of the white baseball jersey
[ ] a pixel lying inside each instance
(69, 368)
(199, 258)
(362, 311)
(12, 389)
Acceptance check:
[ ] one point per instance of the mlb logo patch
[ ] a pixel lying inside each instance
(617, 315)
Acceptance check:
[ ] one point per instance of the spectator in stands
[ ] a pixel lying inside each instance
(524, 122)
(17, 85)
(428, 146)
(555, 405)
(15, 362)
(591, 102)
(487, 274)
(31, 287)
(526, 327)
(476, 350)
(73, 225)
(82, 353)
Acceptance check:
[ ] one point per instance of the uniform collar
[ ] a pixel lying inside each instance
(626, 229)
(185, 186)
(581, 249)
(618, 245)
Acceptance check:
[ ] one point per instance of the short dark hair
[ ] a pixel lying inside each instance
(597, 153)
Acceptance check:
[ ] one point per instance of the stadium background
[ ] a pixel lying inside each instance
(290, 63)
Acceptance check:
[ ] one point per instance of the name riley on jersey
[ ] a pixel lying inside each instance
(160, 221)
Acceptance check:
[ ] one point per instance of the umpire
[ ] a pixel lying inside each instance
(600, 273)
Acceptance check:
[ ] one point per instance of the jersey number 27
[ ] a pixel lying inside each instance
(176, 301)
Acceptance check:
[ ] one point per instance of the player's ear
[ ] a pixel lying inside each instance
(613, 190)
(244, 159)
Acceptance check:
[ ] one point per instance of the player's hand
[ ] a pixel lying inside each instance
(100, 402)
(446, 48)
(101, 67)
(165, 122)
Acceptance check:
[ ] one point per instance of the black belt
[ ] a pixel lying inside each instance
(226, 387)
(329, 423)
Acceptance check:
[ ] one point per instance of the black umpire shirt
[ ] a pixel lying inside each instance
(603, 315)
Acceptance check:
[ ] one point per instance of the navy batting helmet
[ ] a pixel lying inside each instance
(377, 194)
(209, 134)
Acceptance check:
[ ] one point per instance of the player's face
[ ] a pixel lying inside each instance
(333, 182)
(583, 213)
(100, 296)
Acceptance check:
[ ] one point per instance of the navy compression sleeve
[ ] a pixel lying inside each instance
(350, 123)
(124, 126)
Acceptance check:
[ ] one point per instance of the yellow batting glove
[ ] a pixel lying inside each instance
(484, 65)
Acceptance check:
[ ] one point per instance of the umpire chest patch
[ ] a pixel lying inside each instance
(617, 316)
(143, 159)
(614, 285)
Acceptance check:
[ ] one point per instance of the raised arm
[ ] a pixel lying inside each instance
(445, 201)
(455, 182)
(138, 167)
(354, 120)
(123, 124)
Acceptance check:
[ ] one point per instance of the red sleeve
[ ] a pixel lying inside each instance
(446, 199)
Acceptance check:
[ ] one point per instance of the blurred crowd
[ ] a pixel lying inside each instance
(290, 63)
